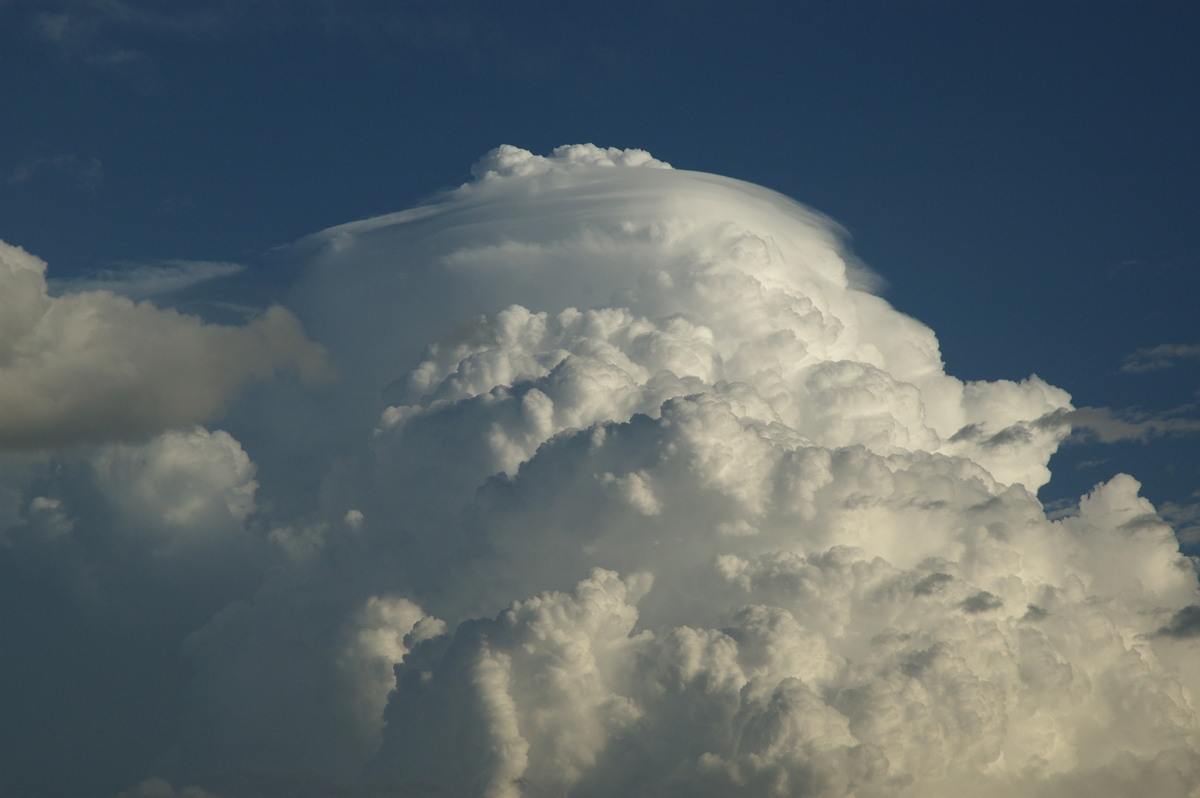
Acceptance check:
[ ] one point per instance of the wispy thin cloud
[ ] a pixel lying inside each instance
(88, 28)
(88, 173)
(87, 24)
(120, 36)
(1158, 358)
(77, 32)
(144, 280)
(1185, 518)
(1107, 425)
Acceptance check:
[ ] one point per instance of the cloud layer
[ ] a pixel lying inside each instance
(636, 491)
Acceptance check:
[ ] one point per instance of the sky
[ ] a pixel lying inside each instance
(537, 398)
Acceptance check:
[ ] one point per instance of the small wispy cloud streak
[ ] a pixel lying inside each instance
(142, 281)
(1161, 357)
(1107, 425)
(87, 173)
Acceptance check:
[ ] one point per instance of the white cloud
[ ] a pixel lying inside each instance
(767, 283)
(183, 490)
(94, 366)
(633, 491)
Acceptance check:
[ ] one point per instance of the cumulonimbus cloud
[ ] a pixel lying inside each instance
(641, 494)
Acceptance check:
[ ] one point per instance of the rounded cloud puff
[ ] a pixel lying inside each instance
(93, 366)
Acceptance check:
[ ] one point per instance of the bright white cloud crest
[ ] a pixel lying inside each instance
(650, 499)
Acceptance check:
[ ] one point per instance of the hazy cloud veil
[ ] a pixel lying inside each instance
(634, 490)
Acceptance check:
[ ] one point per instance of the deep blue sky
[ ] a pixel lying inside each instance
(1024, 175)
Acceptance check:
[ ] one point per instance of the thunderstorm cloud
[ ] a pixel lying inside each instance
(626, 486)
